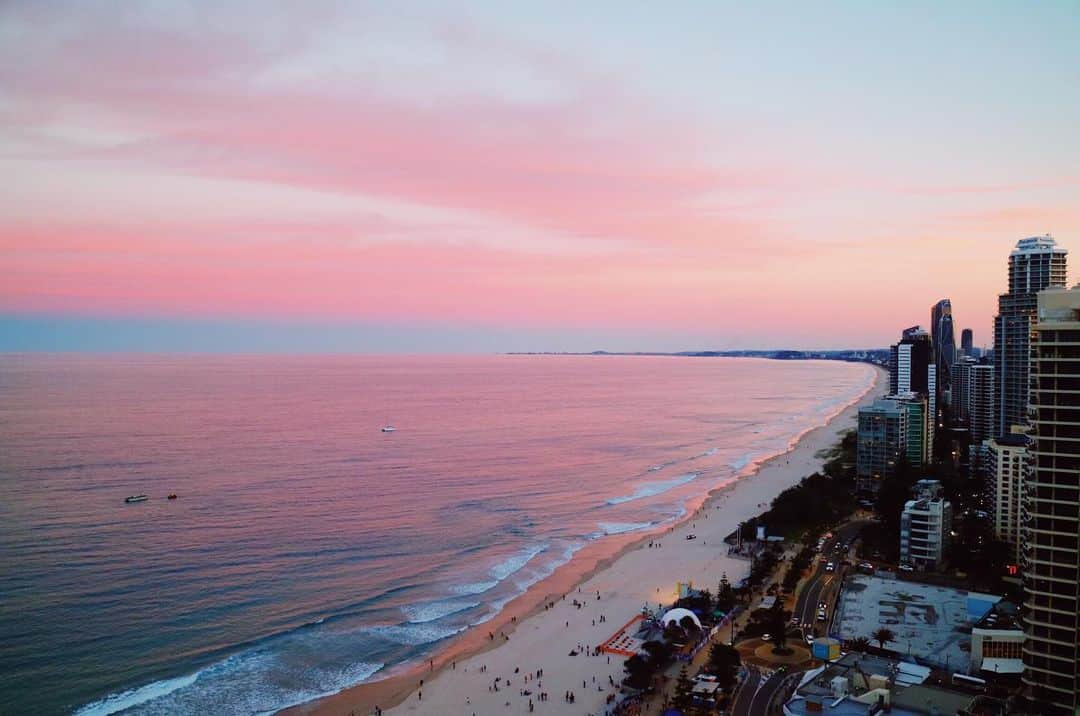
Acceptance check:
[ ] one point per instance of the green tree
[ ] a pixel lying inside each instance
(776, 623)
(883, 636)
(860, 644)
(725, 595)
(724, 661)
(689, 625)
(684, 691)
(639, 672)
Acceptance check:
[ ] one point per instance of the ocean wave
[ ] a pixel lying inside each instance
(618, 528)
(661, 466)
(431, 611)
(246, 682)
(413, 634)
(651, 489)
(708, 453)
(133, 697)
(473, 588)
(504, 569)
(741, 462)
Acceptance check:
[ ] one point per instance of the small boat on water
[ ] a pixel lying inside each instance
(388, 428)
(136, 498)
(172, 496)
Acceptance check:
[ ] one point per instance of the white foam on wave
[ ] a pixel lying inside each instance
(430, 611)
(742, 462)
(504, 569)
(240, 683)
(473, 588)
(133, 697)
(651, 489)
(413, 634)
(709, 453)
(618, 528)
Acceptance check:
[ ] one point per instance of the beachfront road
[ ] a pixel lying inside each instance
(744, 696)
(759, 705)
(821, 586)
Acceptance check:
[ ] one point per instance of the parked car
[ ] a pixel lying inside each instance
(906, 568)
(830, 567)
(810, 639)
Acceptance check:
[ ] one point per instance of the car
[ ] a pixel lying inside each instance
(830, 567)
(822, 605)
(906, 568)
(766, 637)
(809, 639)
(866, 566)
(821, 616)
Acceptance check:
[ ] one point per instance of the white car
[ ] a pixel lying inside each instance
(906, 568)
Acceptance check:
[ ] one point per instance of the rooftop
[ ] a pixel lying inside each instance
(930, 623)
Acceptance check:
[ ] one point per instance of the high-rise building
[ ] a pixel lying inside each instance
(924, 527)
(979, 405)
(960, 380)
(1050, 523)
(1006, 462)
(912, 369)
(967, 339)
(881, 442)
(944, 343)
(918, 444)
(1035, 264)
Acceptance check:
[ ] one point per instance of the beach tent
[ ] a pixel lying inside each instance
(677, 615)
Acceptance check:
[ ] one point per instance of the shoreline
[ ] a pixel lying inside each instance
(595, 563)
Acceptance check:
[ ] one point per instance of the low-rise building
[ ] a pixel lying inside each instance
(924, 527)
(997, 643)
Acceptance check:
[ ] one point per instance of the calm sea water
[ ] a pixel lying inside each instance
(308, 550)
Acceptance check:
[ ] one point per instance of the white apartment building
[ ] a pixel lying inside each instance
(924, 527)
(1006, 461)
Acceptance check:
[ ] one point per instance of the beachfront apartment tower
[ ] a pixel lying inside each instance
(1035, 264)
(912, 369)
(918, 427)
(925, 525)
(1050, 517)
(1006, 462)
(881, 442)
(943, 341)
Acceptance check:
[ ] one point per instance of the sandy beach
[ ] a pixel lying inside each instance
(528, 646)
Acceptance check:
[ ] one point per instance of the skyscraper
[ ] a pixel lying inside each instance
(881, 443)
(912, 369)
(966, 341)
(1035, 264)
(1050, 528)
(944, 343)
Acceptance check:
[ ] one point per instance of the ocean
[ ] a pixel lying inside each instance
(307, 550)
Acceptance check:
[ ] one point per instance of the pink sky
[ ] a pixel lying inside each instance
(497, 169)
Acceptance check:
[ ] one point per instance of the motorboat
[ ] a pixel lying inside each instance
(388, 428)
(136, 498)
(172, 496)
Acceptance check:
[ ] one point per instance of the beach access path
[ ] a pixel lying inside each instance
(549, 652)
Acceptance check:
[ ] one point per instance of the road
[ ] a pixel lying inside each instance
(759, 705)
(744, 697)
(823, 586)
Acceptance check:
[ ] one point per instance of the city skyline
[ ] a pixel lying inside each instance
(714, 177)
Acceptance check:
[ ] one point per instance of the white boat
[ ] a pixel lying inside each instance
(136, 498)
(388, 428)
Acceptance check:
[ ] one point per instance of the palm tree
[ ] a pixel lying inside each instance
(883, 636)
